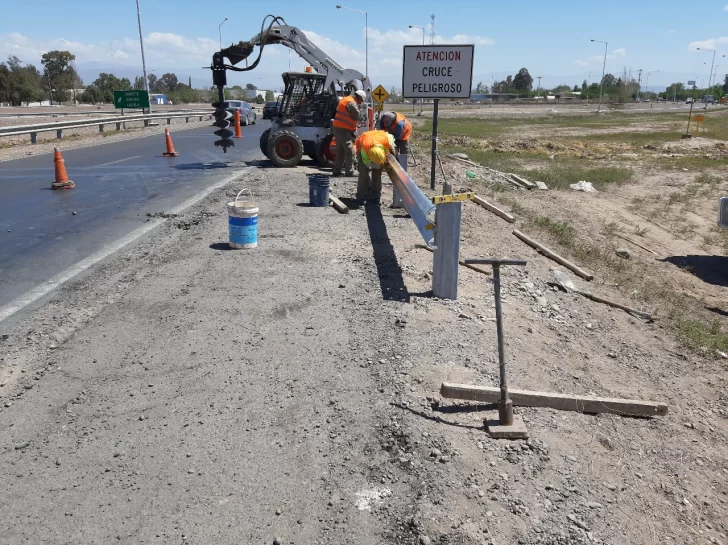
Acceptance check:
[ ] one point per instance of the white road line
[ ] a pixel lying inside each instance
(119, 161)
(44, 289)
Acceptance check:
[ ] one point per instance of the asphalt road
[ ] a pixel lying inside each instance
(117, 184)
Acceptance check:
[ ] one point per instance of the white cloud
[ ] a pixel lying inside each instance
(725, 8)
(595, 59)
(581, 63)
(712, 43)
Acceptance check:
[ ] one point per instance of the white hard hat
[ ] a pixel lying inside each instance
(361, 94)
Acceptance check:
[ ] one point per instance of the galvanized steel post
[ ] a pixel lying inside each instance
(445, 262)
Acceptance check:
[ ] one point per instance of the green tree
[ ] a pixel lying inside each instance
(138, 83)
(92, 95)
(108, 83)
(4, 83)
(251, 87)
(725, 84)
(269, 96)
(23, 82)
(259, 99)
(609, 80)
(523, 81)
(183, 94)
(59, 75)
(168, 83)
(153, 83)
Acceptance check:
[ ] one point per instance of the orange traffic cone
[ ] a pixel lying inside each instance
(62, 181)
(170, 147)
(238, 134)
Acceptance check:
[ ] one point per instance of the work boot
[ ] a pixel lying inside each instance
(337, 175)
(349, 174)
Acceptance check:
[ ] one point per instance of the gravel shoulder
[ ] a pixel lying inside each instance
(183, 392)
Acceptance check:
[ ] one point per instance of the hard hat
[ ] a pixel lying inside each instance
(361, 94)
(388, 118)
(377, 154)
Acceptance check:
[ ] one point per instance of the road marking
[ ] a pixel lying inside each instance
(119, 161)
(57, 281)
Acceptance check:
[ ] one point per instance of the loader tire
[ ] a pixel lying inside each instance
(285, 149)
(326, 151)
(264, 142)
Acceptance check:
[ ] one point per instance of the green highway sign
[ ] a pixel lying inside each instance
(131, 99)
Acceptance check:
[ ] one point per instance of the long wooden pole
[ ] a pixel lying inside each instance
(553, 255)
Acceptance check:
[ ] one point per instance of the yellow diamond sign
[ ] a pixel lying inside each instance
(380, 94)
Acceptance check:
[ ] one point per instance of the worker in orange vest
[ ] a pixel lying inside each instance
(344, 128)
(372, 148)
(400, 127)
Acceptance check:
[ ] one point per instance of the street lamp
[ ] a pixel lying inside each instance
(711, 64)
(144, 63)
(366, 35)
(423, 32)
(219, 30)
(601, 89)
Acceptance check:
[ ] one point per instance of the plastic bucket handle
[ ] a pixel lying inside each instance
(237, 198)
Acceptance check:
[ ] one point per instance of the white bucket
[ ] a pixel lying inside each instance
(243, 222)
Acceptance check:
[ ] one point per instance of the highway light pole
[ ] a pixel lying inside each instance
(710, 76)
(423, 32)
(366, 35)
(219, 30)
(144, 63)
(601, 89)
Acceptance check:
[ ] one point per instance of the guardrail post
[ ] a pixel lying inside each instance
(169, 121)
(118, 126)
(187, 119)
(101, 127)
(146, 122)
(200, 118)
(34, 138)
(59, 134)
(447, 252)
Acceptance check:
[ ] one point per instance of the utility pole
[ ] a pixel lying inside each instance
(639, 84)
(539, 83)
(604, 66)
(144, 63)
(432, 30)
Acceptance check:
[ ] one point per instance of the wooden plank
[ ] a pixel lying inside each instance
(523, 181)
(491, 208)
(562, 402)
(466, 161)
(340, 206)
(553, 255)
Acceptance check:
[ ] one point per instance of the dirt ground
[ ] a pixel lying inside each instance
(186, 393)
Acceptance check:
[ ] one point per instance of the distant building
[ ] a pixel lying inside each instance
(158, 98)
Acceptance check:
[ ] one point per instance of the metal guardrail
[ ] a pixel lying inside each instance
(420, 208)
(60, 113)
(59, 126)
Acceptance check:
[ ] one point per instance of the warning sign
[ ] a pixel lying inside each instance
(437, 71)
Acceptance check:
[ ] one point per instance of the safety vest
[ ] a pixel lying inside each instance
(407, 132)
(372, 138)
(343, 119)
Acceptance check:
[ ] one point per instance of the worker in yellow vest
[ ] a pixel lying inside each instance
(344, 127)
(372, 148)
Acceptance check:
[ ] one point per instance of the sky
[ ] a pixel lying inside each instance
(551, 39)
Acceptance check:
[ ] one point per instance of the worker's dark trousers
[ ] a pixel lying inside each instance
(344, 150)
(362, 187)
(402, 146)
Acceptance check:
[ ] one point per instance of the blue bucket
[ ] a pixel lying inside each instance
(318, 190)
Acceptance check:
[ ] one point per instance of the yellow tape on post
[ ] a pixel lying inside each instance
(440, 199)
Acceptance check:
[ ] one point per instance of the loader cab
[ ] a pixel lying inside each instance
(305, 101)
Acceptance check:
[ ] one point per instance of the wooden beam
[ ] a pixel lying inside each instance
(553, 255)
(340, 206)
(637, 244)
(523, 181)
(562, 402)
(491, 208)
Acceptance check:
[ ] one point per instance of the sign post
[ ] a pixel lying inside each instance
(437, 71)
(690, 114)
(131, 99)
